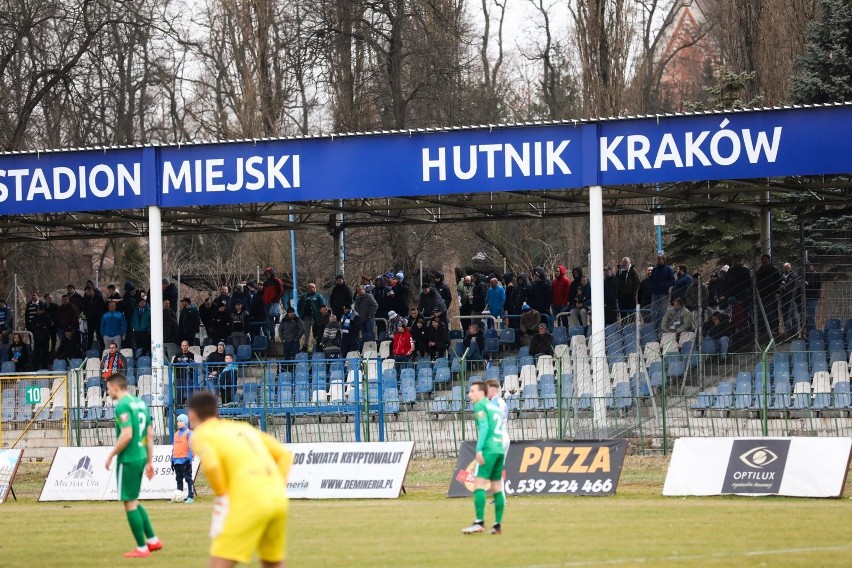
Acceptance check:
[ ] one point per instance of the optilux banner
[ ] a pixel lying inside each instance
(370, 470)
(550, 467)
(78, 474)
(9, 462)
(795, 467)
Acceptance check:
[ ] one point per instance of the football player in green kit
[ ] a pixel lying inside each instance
(134, 449)
(489, 458)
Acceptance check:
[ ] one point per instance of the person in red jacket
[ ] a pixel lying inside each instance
(560, 289)
(403, 344)
(273, 289)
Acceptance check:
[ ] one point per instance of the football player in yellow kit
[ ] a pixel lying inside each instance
(247, 470)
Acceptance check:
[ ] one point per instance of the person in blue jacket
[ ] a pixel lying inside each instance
(113, 325)
(182, 457)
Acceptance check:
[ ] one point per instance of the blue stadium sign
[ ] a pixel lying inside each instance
(510, 158)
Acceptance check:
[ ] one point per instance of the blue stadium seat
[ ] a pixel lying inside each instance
(547, 385)
(424, 381)
(250, 394)
(388, 378)
(524, 351)
(407, 379)
(259, 344)
(303, 395)
(60, 365)
(490, 333)
(648, 334)
(492, 346)
(391, 399)
(743, 391)
(655, 373)
(409, 394)
(833, 323)
(567, 385)
(302, 356)
(818, 362)
(513, 403)
(780, 362)
(529, 398)
(709, 346)
(834, 335)
(842, 396)
(675, 365)
(702, 401)
(507, 337)
(560, 335)
(302, 379)
(441, 362)
(493, 371)
(782, 396)
(724, 399)
(801, 400)
(456, 334)
(243, 353)
(622, 397)
(285, 394)
(639, 385)
(456, 399)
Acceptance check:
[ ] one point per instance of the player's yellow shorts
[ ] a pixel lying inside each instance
(253, 526)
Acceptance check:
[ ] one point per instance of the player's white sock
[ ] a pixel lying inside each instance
(153, 540)
(142, 548)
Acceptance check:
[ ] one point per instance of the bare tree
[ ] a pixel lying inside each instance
(603, 31)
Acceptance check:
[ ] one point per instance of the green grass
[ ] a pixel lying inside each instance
(636, 527)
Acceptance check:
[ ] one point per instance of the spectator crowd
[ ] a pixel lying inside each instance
(733, 302)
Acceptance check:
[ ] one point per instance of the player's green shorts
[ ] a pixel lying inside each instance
(492, 469)
(129, 477)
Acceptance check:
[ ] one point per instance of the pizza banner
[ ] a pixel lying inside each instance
(549, 467)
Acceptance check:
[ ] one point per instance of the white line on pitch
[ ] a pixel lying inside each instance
(681, 558)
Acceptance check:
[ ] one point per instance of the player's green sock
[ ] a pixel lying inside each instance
(146, 522)
(134, 519)
(499, 505)
(479, 504)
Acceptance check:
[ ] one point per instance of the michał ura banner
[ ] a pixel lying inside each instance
(549, 467)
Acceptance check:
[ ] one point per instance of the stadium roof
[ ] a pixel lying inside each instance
(480, 204)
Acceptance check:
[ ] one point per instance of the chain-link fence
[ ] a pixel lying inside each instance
(650, 397)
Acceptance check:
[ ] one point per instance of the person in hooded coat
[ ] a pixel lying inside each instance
(540, 296)
(560, 292)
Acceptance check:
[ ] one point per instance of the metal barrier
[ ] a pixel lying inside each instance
(34, 412)
(482, 317)
(647, 394)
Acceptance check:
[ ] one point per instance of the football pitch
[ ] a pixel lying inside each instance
(637, 527)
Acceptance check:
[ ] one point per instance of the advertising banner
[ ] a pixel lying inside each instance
(794, 467)
(78, 474)
(371, 470)
(490, 159)
(550, 467)
(86, 180)
(9, 462)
